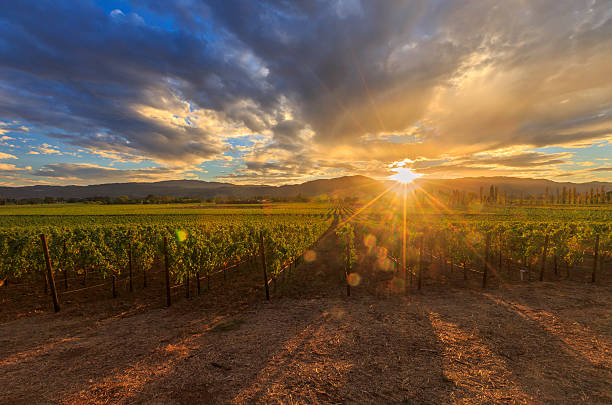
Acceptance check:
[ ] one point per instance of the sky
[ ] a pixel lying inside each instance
(281, 91)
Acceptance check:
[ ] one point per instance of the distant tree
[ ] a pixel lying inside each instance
(564, 195)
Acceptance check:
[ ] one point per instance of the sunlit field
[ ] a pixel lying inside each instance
(481, 301)
(81, 214)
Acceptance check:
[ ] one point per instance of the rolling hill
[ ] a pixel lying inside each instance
(353, 186)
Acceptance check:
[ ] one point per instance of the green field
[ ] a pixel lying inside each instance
(104, 214)
(84, 214)
(99, 238)
(518, 236)
(106, 240)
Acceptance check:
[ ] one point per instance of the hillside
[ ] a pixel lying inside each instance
(353, 186)
(342, 186)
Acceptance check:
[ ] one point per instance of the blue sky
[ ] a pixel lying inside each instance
(276, 92)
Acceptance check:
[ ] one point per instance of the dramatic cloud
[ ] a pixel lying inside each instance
(88, 173)
(319, 87)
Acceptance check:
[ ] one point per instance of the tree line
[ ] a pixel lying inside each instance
(495, 196)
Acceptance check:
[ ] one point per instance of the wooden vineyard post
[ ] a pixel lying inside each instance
(509, 267)
(346, 270)
(419, 278)
(486, 261)
(595, 257)
(263, 263)
(114, 285)
(528, 270)
(464, 272)
(556, 264)
(198, 282)
(45, 248)
(167, 271)
(130, 264)
(544, 254)
(187, 286)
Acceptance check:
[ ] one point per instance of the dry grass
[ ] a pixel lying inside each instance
(529, 343)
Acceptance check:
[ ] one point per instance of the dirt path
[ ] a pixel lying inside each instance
(536, 343)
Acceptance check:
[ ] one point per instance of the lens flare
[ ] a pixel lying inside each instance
(181, 235)
(369, 240)
(353, 279)
(310, 256)
(384, 263)
(381, 251)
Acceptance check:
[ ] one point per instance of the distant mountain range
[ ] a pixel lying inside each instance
(342, 186)
(357, 186)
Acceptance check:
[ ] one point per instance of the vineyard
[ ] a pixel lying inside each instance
(370, 302)
(118, 249)
(491, 247)
(76, 256)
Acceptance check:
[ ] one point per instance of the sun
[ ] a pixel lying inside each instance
(404, 175)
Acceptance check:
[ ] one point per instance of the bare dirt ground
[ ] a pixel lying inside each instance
(517, 343)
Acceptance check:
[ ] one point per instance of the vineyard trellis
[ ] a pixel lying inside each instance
(195, 251)
(118, 255)
(484, 247)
